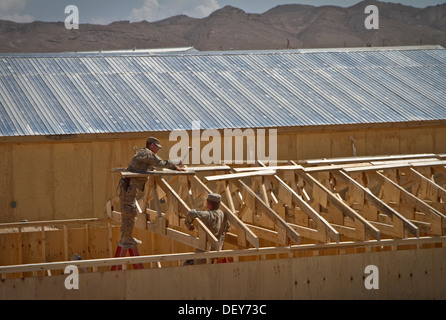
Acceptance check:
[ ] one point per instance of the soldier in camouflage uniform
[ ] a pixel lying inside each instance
(213, 218)
(144, 160)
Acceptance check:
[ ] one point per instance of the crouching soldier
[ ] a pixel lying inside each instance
(213, 218)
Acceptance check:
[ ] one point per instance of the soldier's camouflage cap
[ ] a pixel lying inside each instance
(153, 140)
(214, 197)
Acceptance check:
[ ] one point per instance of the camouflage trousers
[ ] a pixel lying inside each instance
(128, 189)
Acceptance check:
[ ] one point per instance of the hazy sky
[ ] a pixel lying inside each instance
(106, 11)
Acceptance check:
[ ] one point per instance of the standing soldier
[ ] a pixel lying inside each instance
(144, 160)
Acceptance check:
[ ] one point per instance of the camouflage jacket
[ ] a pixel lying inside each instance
(213, 219)
(145, 160)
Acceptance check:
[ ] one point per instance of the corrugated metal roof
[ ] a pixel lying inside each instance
(76, 93)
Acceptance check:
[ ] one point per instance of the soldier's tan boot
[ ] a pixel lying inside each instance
(126, 232)
(129, 241)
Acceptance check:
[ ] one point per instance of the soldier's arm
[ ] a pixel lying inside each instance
(191, 215)
(227, 226)
(160, 163)
(156, 161)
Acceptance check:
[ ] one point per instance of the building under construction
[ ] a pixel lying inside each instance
(333, 184)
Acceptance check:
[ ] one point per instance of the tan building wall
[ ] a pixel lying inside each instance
(406, 274)
(70, 178)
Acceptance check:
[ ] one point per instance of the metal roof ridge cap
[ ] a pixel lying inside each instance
(368, 49)
(212, 53)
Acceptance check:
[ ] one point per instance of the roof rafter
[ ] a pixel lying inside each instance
(314, 201)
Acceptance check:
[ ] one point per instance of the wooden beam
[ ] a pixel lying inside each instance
(167, 188)
(206, 236)
(414, 174)
(435, 217)
(210, 237)
(189, 169)
(233, 176)
(159, 228)
(268, 168)
(108, 262)
(336, 167)
(397, 164)
(322, 223)
(147, 174)
(229, 196)
(209, 168)
(243, 231)
(270, 213)
(47, 223)
(155, 196)
(341, 205)
(366, 159)
(380, 205)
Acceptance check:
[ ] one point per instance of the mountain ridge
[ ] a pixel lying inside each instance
(283, 26)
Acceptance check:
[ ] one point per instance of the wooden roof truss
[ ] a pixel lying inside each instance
(317, 201)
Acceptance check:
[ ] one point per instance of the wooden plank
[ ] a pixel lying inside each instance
(285, 192)
(156, 199)
(342, 206)
(142, 203)
(290, 232)
(365, 159)
(404, 161)
(128, 174)
(47, 223)
(421, 178)
(33, 183)
(436, 163)
(182, 206)
(229, 196)
(376, 167)
(231, 216)
(209, 168)
(323, 225)
(65, 242)
(223, 253)
(182, 237)
(335, 167)
(185, 208)
(72, 179)
(175, 235)
(381, 206)
(233, 176)
(189, 169)
(6, 182)
(269, 168)
(397, 164)
(435, 217)
(141, 220)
